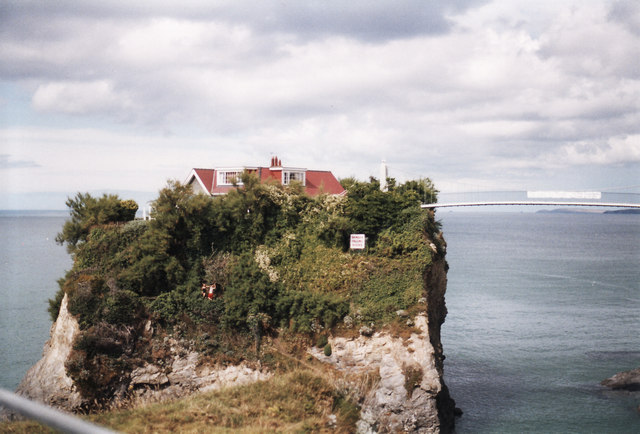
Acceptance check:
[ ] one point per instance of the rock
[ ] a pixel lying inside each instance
(332, 422)
(348, 321)
(388, 407)
(186, 375)
(177, 374)
(628, 380)
(148, 375)
(47, 381)
(366, 331)
(409, 393)
(402, 313)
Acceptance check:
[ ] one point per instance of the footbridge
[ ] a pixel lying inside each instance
(536, 198)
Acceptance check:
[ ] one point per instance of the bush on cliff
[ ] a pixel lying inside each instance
(278, 256)
(87, 212)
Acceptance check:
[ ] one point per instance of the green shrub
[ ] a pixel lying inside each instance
(389, 289)
(327, 350)
(322, 341)
(85, 298)
(168, 306)
(120, 307)
(412, 378)
(301, 310)
(56, 301)
(88, 212)
(128, 209)
(250, 291)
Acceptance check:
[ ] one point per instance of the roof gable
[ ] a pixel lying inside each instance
(204, 178)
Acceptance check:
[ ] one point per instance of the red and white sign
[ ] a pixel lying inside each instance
(357, 241)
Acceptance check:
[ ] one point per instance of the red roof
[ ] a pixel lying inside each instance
(320, 181)
(205, 178)
(316, 181)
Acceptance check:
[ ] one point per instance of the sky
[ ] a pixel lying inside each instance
(120, 96)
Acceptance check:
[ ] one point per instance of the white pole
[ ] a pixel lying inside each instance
(383, 176)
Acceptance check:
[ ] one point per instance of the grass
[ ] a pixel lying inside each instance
(297, 401)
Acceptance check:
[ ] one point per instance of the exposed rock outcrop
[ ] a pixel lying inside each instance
(410, 395)
(628, 380)
(182, 374)
(47, 381)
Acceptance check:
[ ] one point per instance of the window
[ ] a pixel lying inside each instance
(227, 177)
(289, 176)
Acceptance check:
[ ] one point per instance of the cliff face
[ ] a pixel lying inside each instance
(410, 395)
(47, 381)
(408, 392)
(180, 374)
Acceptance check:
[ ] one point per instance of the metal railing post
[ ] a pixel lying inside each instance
(49, 416)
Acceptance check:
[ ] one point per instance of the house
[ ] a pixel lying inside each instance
(220, 180)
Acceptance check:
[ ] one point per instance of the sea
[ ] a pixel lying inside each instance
(30, 264)
(541, 308)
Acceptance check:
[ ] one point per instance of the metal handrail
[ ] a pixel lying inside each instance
(49, 416)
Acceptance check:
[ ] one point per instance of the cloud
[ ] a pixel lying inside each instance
(617, 150)
(626, 12)
(585, 43)
(359, 19)
(6, 162)
(459, 89)
(79, 97)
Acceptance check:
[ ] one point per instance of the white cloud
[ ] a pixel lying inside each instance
(617, 150)
(75, 97)
(505, 86)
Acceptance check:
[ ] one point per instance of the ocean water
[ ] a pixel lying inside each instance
(30, 264)
(542, 307)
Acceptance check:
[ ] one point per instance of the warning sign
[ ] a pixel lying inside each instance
(357, 241)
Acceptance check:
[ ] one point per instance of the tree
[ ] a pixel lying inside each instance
(88, 212)
(423, 187)
(371, 210)
(169, 253)
(128, 209)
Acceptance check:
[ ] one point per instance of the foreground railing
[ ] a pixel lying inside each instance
(54, 418)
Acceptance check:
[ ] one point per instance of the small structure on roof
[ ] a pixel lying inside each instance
(220, 180)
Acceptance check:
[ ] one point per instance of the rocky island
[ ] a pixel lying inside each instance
(249, 287)
(627, 380)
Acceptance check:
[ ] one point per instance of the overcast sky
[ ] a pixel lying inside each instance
(121, 96)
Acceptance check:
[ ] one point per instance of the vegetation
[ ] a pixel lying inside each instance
(88, 212)
(297, 401)
(279, 258)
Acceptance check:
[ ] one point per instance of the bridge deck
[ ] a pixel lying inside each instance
(544, 203)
